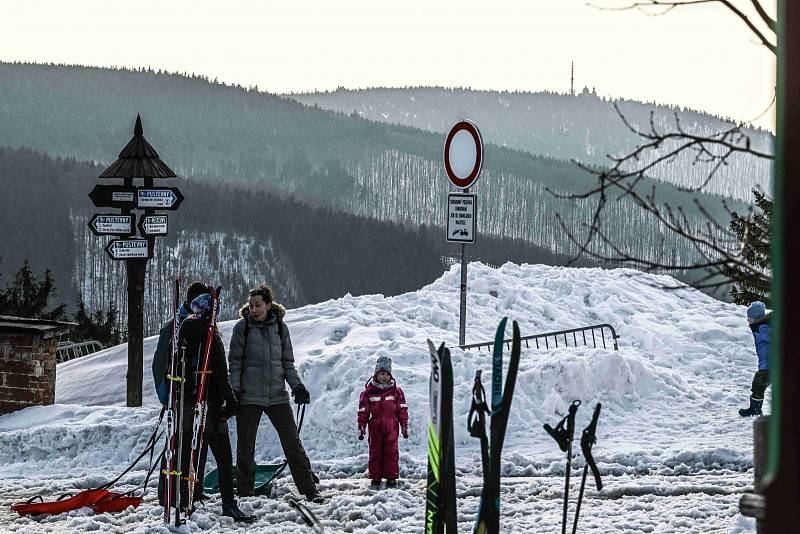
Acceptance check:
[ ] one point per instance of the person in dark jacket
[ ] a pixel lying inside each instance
(261, 364)
(382, 406)
(758, 319)
(164, 348)
(220, 399)
(160, 366)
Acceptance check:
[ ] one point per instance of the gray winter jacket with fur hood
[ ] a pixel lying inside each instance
(260, 370)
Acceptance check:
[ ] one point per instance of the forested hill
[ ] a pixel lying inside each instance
(583, 127)
(370, 169)
(236, 235)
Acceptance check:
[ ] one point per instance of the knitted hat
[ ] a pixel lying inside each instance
(756, 310)
(195, 289)
(202, 304)
(384, 363)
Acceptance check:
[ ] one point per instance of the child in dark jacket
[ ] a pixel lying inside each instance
(382, 408)
(759, 325)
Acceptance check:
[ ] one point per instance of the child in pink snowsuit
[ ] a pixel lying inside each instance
(382, 406)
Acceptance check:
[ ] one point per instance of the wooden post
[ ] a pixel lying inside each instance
(136, 272)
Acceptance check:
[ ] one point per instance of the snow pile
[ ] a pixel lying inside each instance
(669, 393)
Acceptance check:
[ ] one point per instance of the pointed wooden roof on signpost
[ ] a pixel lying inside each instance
(138, 159)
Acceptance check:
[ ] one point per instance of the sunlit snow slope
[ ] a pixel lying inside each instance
(669, 394)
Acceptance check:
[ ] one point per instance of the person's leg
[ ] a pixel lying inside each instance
(247, 419)
(391, 457)
(283, 420)
(760, 383)
(201, 467)
(186, 458)
(220, 444)
(375, 438)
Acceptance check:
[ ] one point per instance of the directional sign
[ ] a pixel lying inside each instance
(153, 225)
(112, 224)
(113, 196)
(125, 249)
(461, 217)
(167, 198)
(463, 154)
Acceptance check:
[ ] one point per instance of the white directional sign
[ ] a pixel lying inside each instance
(461, 224)
(125, 249)
(159, 198)
(153, 225)
(111, 224)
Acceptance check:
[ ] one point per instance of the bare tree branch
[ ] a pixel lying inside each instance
(669, 5)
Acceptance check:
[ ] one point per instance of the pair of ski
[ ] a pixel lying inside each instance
(564, 437)
(488, 520)
(440, 510)
(173, 451)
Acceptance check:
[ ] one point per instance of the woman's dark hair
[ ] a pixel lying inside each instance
(264, 291)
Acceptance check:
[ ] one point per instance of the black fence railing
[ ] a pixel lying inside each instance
(586, 336)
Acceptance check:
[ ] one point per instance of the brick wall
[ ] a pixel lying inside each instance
(27, 371)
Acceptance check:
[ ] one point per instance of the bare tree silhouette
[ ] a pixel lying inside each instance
(717, 247)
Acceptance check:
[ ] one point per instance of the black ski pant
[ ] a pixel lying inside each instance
(760, 382)
(281, 417)
(220, 445)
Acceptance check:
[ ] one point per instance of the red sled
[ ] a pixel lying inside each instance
(99, 500)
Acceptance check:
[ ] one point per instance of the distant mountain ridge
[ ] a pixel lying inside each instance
(582, 127)
(391, 173)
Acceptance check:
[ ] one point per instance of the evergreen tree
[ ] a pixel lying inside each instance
(754, 235)
(28, 297)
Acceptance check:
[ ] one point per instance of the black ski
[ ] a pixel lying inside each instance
(488, 520)
(173, 434)
(440, 498)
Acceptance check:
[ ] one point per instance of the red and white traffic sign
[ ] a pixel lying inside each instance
(463, 154)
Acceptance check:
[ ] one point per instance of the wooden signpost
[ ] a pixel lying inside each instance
(138, 160)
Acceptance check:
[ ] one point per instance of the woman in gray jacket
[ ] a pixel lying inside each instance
(261, 363)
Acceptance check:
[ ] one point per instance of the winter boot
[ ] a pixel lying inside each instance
(754, 409)
(232, 510)
(375, 483)
(315, 496)
(391, 483)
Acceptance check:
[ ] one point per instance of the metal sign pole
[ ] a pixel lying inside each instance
(462, 314)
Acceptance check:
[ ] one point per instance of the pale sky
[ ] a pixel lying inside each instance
(696, 56)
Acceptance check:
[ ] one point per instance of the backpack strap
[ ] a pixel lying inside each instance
(281, 329)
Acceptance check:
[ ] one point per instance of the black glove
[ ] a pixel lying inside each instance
(230, 408)
(301, 395)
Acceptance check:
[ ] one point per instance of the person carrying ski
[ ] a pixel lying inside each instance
(382, 408)
(261, 363)
(758, 319)
(160, 367)
(221, 403)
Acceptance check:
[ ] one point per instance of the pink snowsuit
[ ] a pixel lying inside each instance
(383, 409)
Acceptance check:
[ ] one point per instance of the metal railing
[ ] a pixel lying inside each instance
(562, 338)
(68, 350)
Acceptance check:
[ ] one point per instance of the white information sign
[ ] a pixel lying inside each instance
(153, 225)
(461, 211)
(123, 249)
(156, 198)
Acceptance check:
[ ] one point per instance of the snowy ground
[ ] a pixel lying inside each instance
(674, 452)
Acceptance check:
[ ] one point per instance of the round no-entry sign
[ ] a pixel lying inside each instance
(463, 154)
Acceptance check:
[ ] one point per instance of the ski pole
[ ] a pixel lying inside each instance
(563, 437)
(588, 439)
